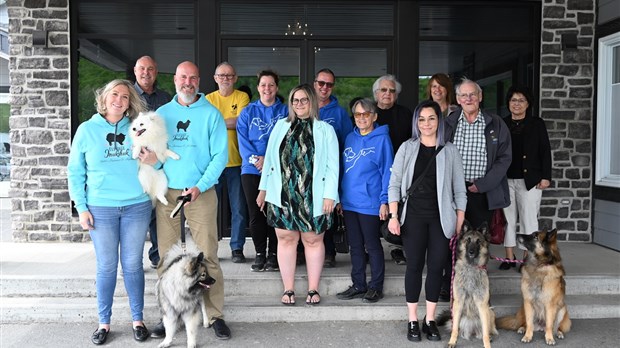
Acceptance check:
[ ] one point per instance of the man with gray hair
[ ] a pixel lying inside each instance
(398, 118)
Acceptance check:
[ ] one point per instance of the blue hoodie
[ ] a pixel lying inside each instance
(337, 117)
(367, 160)
(101, 171)
(197, 133)
(254, 127)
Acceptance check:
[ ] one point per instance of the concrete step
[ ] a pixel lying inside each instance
(268, 309)
(268, 283)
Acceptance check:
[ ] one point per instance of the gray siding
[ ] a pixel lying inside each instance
(606, 222)
(608, 10)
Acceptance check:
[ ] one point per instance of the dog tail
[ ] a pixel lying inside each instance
(508, 322)
(443, 318)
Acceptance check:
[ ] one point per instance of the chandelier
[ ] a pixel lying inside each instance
(297, 29)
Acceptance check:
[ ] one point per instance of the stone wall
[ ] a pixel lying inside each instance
(566, 104)
(40, 122)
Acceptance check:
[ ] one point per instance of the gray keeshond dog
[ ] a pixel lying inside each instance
(179, 292)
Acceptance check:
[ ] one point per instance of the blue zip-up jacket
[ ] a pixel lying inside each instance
(197, 133)
(101, 171)
(367, 160)
(337, 117)
(254, 127)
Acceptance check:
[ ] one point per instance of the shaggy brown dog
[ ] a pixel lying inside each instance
(543, 288)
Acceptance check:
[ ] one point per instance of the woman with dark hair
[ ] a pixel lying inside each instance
(254, 127)
(441, 90)
(103, 183)
(300, 188)
(530, 170)
(432, 213)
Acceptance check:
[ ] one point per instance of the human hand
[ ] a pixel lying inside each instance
(147, 156)
(473, 188)
(260, 199)
(193, 191)
(543, 184)
(328, 206)
(394, 227)
(260, 160)
(384, 211)
(87, 221)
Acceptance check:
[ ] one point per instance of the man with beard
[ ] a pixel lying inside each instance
(202, 144)
(398, 118)
(145, 71)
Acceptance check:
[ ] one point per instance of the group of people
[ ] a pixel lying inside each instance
(290, 166)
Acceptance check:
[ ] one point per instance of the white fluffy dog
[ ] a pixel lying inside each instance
(148, 130)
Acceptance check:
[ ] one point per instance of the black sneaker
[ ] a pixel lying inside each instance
(330, 261)
(222, 332)
(272, 263)
(158, 331)
(372, 296)
(259, 263)
(413, 331)
(431, 331)
(237, 256)
(398, 256)
(444, 295)
(351, 293)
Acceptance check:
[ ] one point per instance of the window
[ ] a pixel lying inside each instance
(608, 114)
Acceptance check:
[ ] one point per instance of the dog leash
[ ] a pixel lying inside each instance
(179, 208)
(506, 260)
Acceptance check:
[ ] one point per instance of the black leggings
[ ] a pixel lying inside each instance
(259, 228)
(423, 237)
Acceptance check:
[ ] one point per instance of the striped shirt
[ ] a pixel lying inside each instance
(470, 141)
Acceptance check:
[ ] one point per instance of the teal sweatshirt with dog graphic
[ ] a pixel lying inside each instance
(197, 133)
(101, 171)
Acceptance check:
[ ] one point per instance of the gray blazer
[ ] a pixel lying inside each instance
(451, 192)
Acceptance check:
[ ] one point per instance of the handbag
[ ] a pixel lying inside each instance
(340, 235)
(498, 227)
(385, 232)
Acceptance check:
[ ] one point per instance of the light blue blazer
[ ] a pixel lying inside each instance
(325, 169)
(451, 192)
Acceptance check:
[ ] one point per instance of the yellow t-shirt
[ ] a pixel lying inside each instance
(230, 107)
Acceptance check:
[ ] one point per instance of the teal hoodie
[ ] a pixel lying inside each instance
(197, 133)
(101, 171)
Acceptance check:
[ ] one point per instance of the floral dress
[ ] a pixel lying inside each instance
(296, 160)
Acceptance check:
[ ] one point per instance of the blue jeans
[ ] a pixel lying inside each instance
(231, 176)
(125, 226)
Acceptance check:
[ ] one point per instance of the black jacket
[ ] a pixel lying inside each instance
(536, 151)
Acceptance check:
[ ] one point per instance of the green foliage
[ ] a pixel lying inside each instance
(5, 111)
(422, 88)
(92, 77)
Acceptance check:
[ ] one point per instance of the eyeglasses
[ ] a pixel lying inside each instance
(225, 76)
(365, 114)
(302, 101)
(324, 83)
(385, 90)
(468, 95)
(518, 101)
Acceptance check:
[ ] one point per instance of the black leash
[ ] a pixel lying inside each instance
(179, 208)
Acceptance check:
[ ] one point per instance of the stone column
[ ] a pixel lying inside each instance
(566, 104)
(40, 122)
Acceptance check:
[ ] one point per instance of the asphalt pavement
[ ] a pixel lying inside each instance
(585, 333)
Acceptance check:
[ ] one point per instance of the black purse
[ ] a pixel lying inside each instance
(385, 232)
(340, 235)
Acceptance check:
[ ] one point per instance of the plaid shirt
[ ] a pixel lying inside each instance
(470, 140)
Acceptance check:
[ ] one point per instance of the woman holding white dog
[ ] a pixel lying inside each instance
(103, 183)
(300, 185)
(429, 172)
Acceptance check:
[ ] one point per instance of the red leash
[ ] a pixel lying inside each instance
(506, 260)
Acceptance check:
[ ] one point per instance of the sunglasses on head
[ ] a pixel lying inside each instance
(324, 83)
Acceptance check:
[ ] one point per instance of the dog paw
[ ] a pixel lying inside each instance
(550, 341)
(526, 339)
(451, 345)
(164, 345)
(521, 330)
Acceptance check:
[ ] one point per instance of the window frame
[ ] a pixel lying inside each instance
(604, 131)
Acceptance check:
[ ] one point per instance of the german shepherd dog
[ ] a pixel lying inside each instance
(472, 314)
(179, 292)
(543, 288)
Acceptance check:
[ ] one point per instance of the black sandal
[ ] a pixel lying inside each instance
(311, 294)
(291, 299)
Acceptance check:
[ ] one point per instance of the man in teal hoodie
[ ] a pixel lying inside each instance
(197, 133)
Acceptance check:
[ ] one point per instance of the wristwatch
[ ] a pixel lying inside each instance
(392, 216)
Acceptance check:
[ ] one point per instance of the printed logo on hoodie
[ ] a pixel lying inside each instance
(350, 157)
(263, 127)
(116, 148)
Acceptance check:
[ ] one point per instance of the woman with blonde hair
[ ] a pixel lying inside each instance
(300, 186)
(112, 205)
